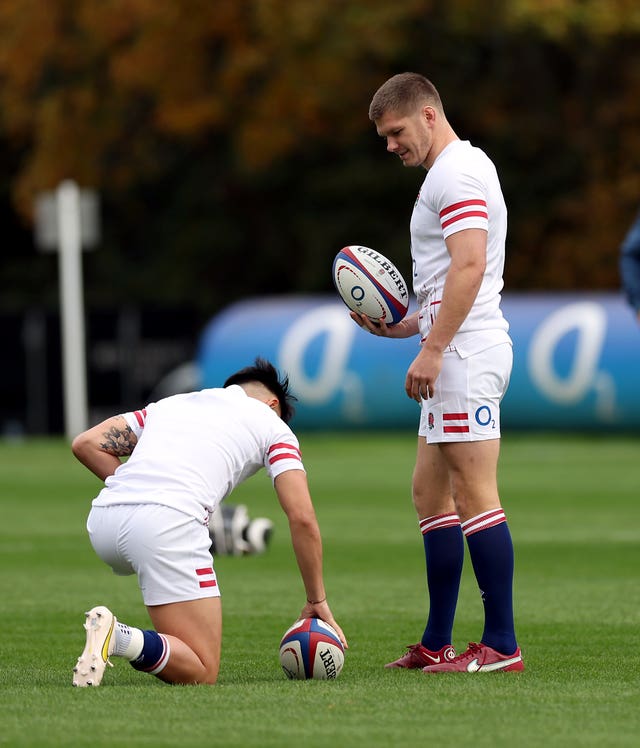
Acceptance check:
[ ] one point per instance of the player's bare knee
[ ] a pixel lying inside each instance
(209, 673)
(428, 502)
(209, 680)
(420, 502)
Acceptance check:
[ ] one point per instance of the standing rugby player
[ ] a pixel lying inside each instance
(458, 230)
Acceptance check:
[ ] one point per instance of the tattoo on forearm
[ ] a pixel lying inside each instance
(119, 442)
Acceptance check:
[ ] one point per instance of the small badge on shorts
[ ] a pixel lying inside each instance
(430, 421)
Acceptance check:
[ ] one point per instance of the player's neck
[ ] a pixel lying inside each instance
(444, 139)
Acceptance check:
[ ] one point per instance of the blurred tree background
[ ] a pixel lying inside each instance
(230, 145)
(234, 133)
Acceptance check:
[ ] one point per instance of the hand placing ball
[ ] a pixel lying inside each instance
(311, 649)
(370, 284)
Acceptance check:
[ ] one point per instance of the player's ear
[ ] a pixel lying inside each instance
(274, 404)
(429, 113)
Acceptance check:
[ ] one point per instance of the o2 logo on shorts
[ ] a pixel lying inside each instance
(484, 418)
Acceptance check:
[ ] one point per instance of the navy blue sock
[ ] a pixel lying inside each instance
(491, 551)
(155, 653)
(444, 554)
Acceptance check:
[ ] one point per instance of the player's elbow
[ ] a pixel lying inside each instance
(475, 271)
(476, 264)
(78, 444)
(81, 446)
(471, 267)
(303, 523)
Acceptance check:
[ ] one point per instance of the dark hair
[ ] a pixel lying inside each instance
(266, 374)
(402, 94)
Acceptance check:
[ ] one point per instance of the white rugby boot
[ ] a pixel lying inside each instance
(100, 626)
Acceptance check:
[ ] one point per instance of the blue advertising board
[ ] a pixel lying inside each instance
(576, 361)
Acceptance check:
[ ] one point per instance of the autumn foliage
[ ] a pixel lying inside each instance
(215, 129)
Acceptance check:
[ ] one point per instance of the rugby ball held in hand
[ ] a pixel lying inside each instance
(311, 649)
(370, 284)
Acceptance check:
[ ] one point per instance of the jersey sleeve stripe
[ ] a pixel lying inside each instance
(284, 445)
(468, 214)
(140, 416)
(462, 204)
(284, 456)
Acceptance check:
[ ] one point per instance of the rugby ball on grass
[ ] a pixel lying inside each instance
(311, 649)
(370, 284)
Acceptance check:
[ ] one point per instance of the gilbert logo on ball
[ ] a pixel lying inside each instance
(370, 284)
(311, 649)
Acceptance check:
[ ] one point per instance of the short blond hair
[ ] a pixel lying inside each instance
(403, 94)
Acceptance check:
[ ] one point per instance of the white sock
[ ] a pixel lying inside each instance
(129, 641)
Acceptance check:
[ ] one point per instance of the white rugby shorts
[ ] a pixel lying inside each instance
(167, 549)
(465, 406)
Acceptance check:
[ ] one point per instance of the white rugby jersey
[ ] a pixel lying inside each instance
(460, 191)
(194, 449)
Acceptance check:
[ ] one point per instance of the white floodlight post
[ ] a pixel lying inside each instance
(72, 303)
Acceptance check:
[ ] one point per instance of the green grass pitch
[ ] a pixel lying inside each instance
(573, 505)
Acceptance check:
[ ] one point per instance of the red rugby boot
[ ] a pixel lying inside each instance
(419, 657)
(479, 658)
